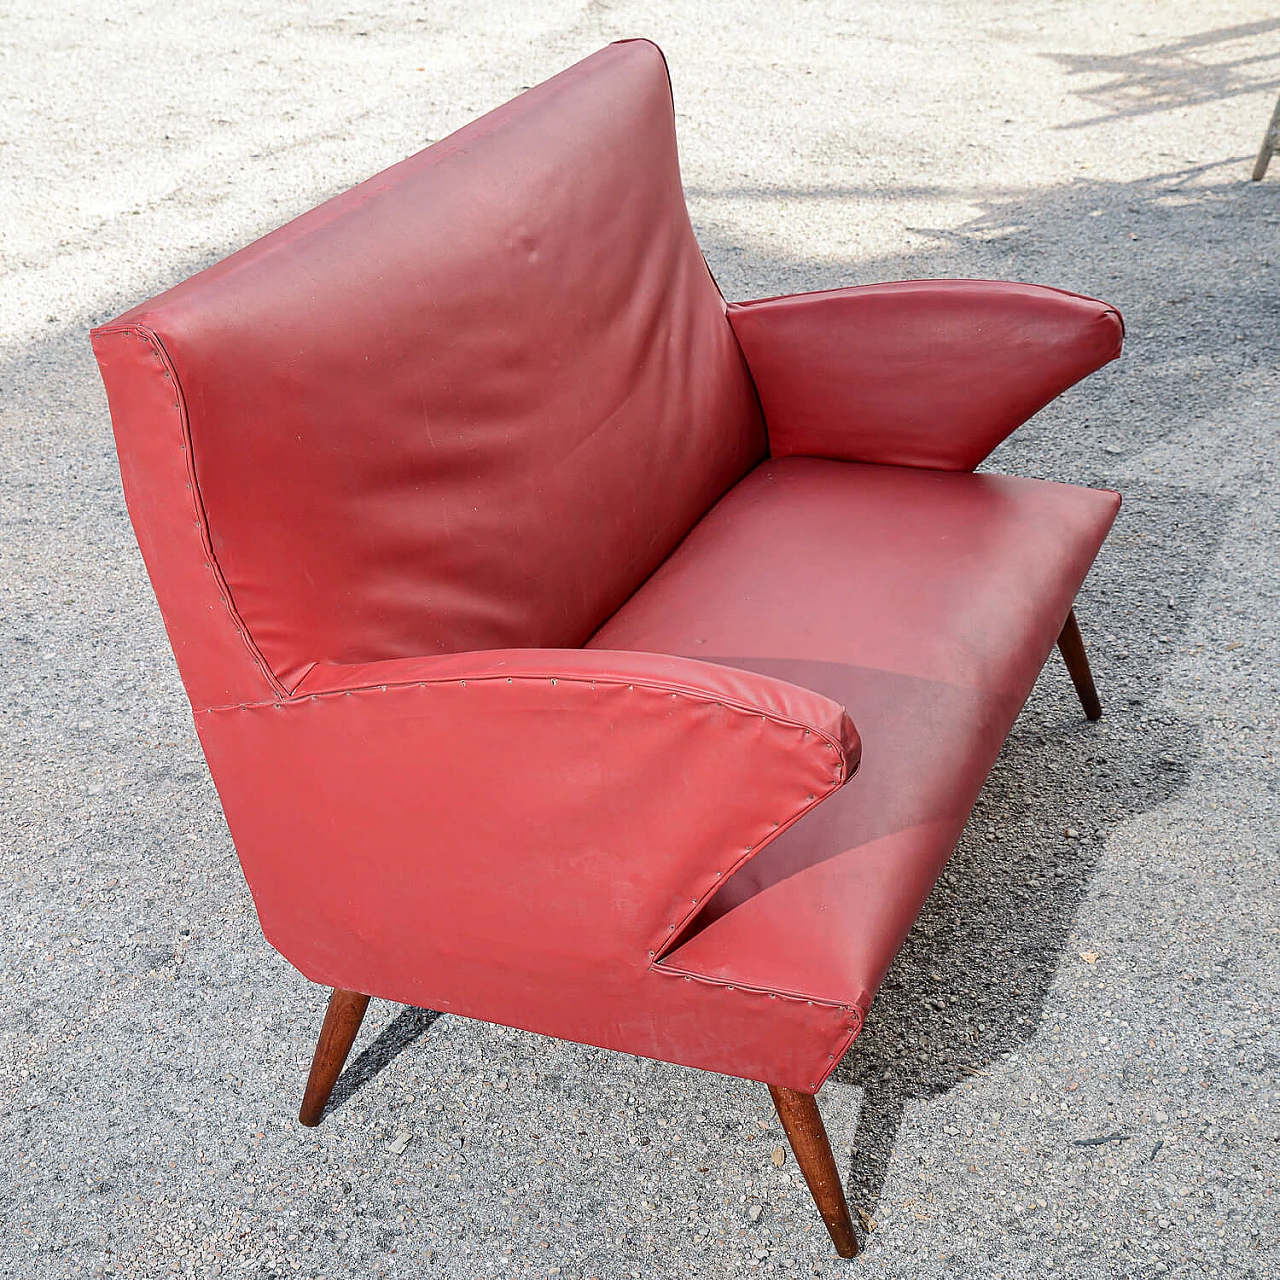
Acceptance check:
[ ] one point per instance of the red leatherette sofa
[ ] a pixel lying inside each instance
(572, 649)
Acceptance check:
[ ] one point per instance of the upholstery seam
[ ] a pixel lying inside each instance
(649, 686)
(844, 1006)
(746, 364)
(664, 949)
(844, 1041)
(884, 284)
(202, 519)
(842, 1047)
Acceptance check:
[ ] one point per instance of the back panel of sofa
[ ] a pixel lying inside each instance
(473, 402)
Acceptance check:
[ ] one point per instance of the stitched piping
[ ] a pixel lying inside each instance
(833, 1058)
(841, 1046)
(202, 519)
(649, 686)
(675, 930)
(779, 993)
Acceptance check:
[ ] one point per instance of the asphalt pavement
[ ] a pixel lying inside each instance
(1074, 1067)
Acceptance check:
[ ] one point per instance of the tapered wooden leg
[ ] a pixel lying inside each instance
(1270, 145)
(808, 1137)
(1072, 647)
(341, 1022)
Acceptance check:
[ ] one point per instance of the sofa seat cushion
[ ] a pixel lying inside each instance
(926, 603)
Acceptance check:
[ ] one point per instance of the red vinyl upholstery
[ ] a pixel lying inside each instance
(528, 678)
(952, 591)
(516, 835)
(473, 402)
(922, 373)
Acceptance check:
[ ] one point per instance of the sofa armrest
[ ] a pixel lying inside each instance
(545, 812)
(922, 373)
(686, 677)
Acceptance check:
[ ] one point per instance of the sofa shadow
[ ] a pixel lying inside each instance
(973, 979)
(405, 1029)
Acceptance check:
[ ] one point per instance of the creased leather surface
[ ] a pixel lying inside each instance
(925, 603)
(919, 373)
(518, 838)
(473, 402)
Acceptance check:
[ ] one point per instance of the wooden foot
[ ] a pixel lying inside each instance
(341, 1022)
(1270, 145)
(808, 1137)
(1072, 647)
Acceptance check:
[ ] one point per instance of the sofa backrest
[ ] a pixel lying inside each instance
(471, 403)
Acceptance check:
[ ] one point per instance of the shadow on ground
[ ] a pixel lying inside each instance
(409, 1026)
(972, 980)
(1206, 67)
(971, 983)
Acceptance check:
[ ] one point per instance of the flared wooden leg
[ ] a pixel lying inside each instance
(341, 1022)
(1073, 654)
(808, 1137)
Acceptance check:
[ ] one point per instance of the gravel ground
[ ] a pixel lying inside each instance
(1073, 1069)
